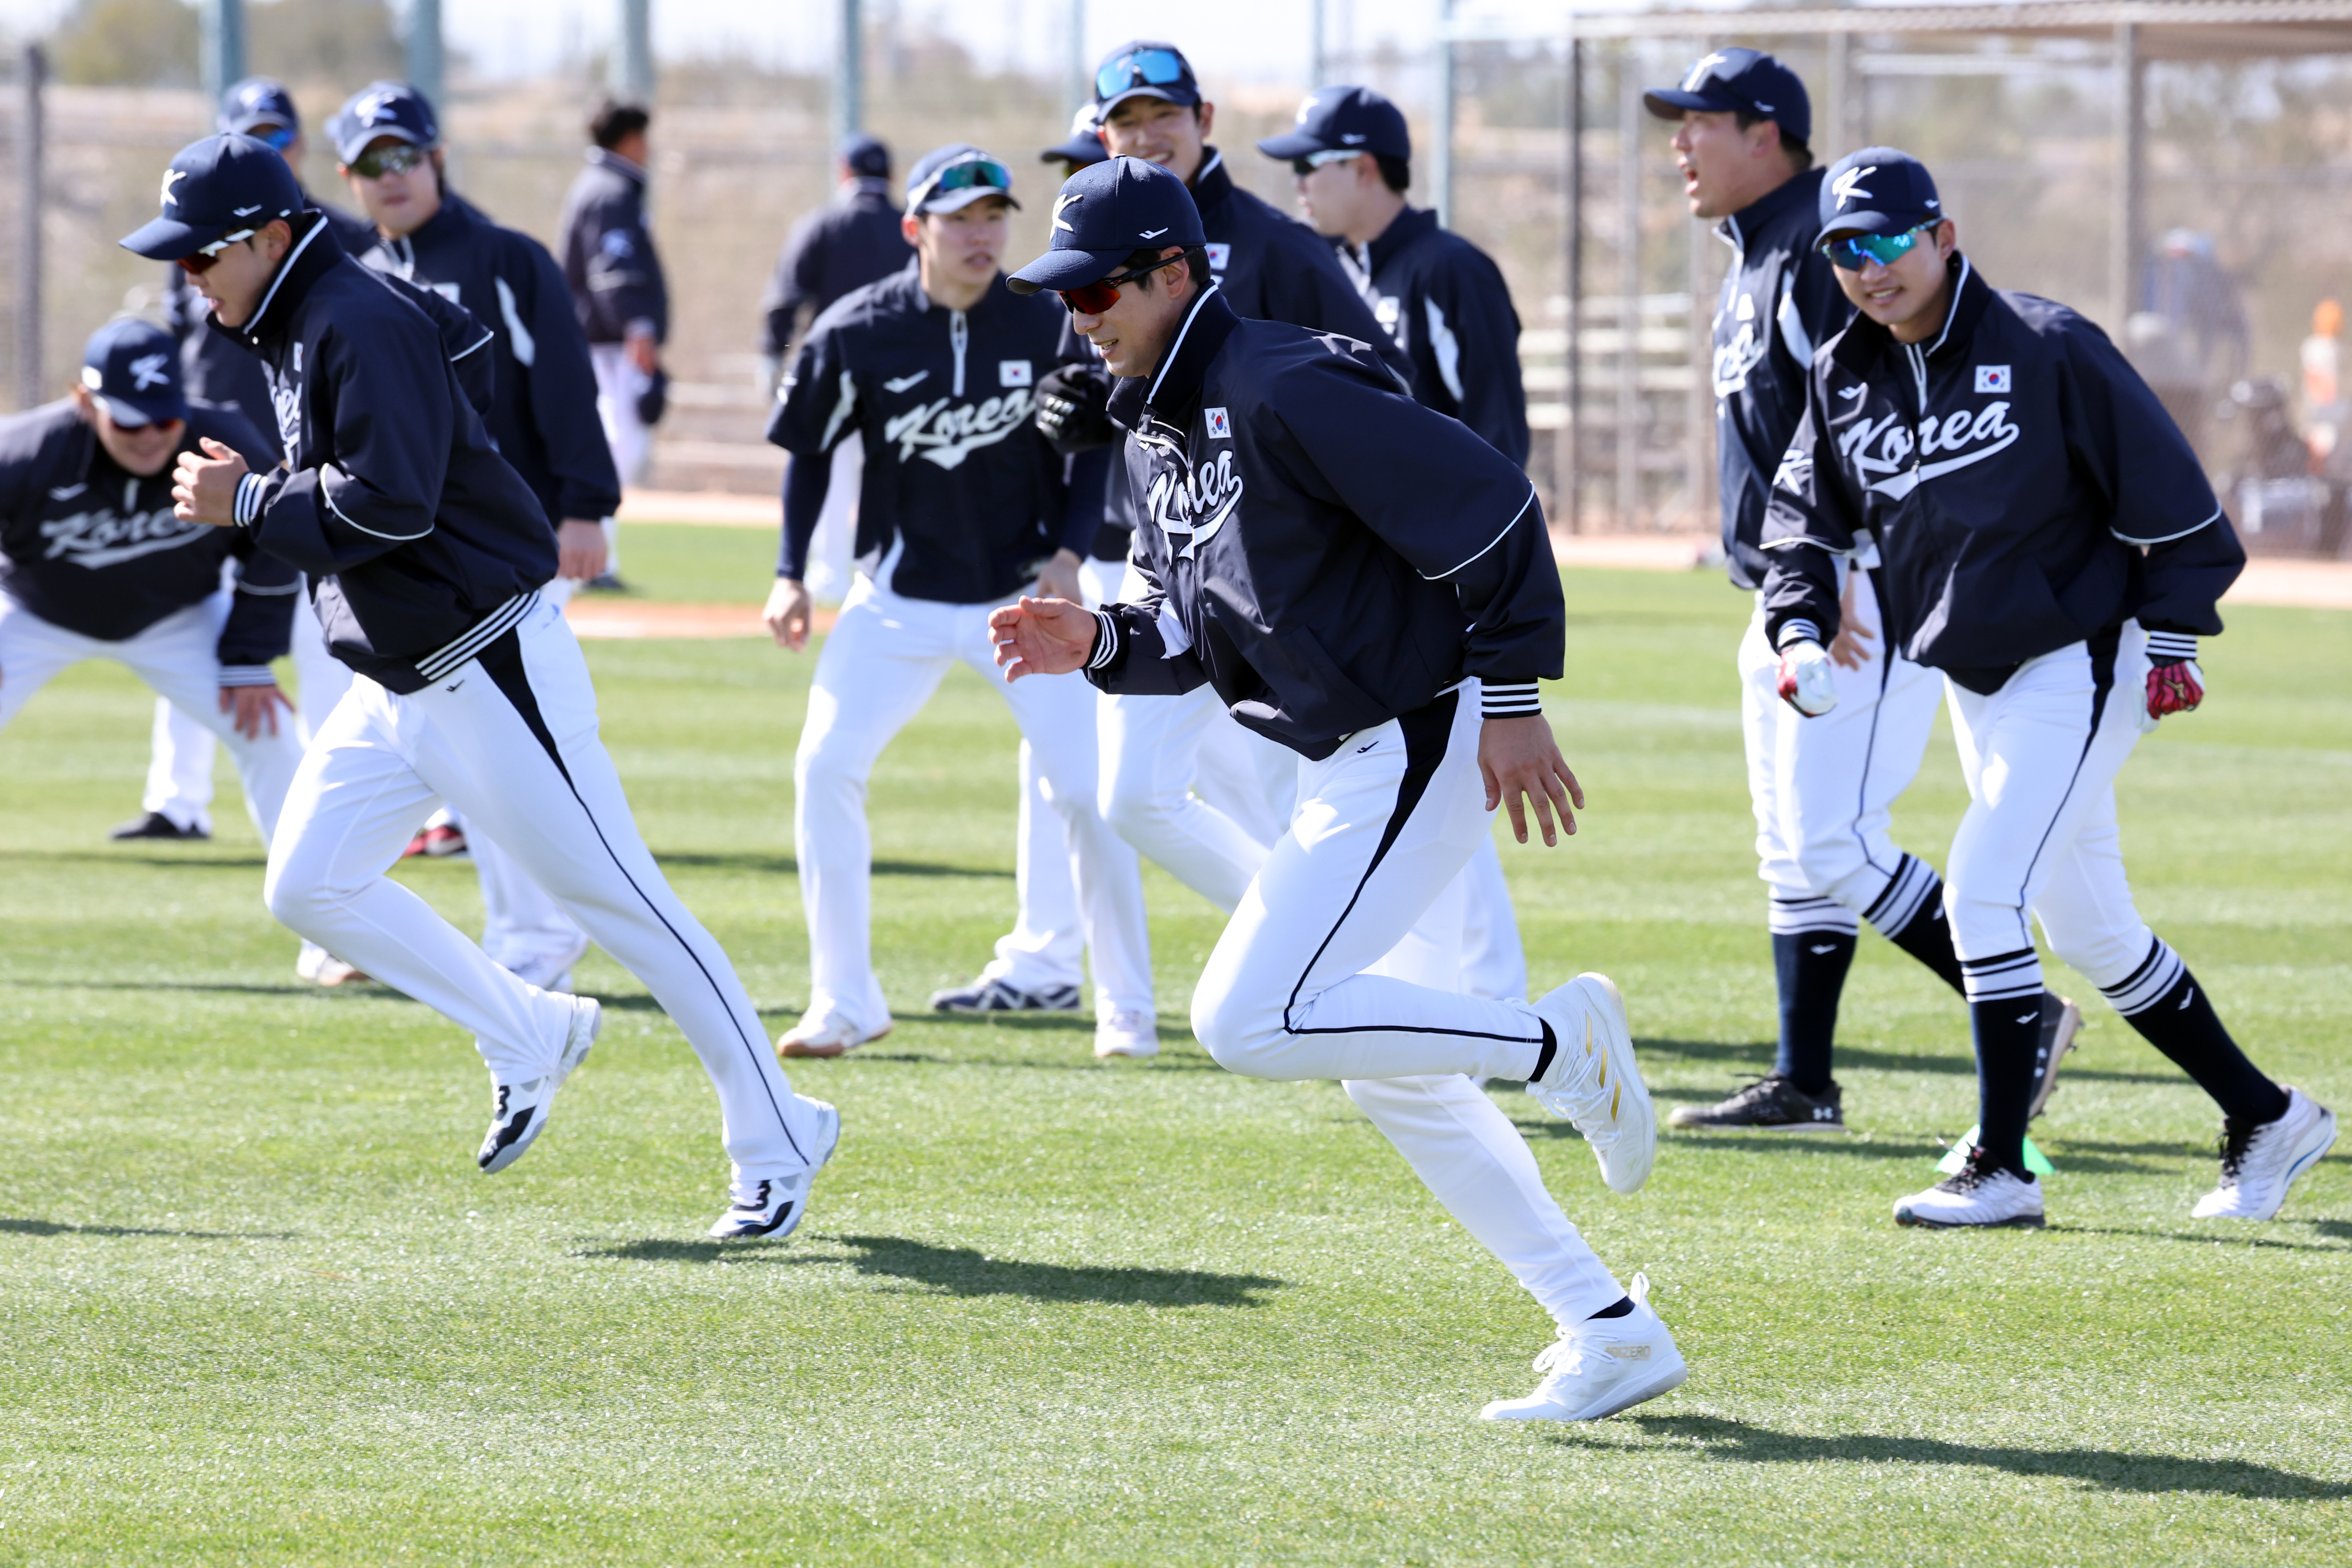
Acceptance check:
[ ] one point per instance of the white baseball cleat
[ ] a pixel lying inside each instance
(772, 1206)
(551, 971)
(1979, 1194)
(2261, 1162)
(1601, 1366)
(1594, 1082)
(826, 1033)
(320, 967)
(1128, 1032)
(519, 1110)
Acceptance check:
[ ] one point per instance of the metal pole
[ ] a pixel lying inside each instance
(1698, 325)
(632, 72)
(1081, 87)
(29, 204)
(1571, 432)
(1629, 291)
(1317, 55)
(221, 46)
(848, 70)
(1440, 164)
(425, 59)
(2131, 190)
(1839, 120)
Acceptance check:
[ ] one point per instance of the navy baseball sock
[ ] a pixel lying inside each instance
(2179, 1022)
(1811, 966)
(1926, 935)
(2008, 1031)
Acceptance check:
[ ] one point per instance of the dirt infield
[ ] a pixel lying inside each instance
(626, 618)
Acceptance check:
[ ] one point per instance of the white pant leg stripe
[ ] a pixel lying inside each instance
(2002, 976)
(1792, 917)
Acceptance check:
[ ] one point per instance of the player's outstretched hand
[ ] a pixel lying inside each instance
(1042, 636)
(579, 549)
(788, 612)
(253, 708)
(203, 485)
(1518, 757)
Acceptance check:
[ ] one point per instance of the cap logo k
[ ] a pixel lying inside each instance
(1061, 205)
(172, 177)
(148, 371)
(1698, 73)
(1849, 185)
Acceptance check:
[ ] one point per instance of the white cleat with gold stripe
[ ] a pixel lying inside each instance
(1593, 1080)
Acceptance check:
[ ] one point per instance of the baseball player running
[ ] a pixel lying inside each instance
(2049, 543)
(425, 550)
(542, 416)
(933, 372)
(93, 564)
(1823, 792)
(1445, 303)
(1370, 584)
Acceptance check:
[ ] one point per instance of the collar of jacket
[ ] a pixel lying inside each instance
(1410, 225)
(442, 228)
(1172, 392)
(606, 158)
(1212, 186)
(863, 187)
(1769, 208)
(1865, 340)
(314, 251)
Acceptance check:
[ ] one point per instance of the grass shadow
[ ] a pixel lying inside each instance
(58, 1228)
(2108, 1469)
(967, 1272)
(2339, 1229)
(256, 859)
(289, 988)
(2216, 1237)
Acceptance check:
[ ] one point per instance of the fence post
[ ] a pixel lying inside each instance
(848, 72)
(426, 64)
(1571, 432)
(28, 234)
(2131, 186)
(1629, 288)
(221, 46)
(632, 55)
(1440, 113)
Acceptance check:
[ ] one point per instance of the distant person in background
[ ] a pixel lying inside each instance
(2323, 419)
(178, 802)
(1085, 148)
(2191, 340)
(619, 294)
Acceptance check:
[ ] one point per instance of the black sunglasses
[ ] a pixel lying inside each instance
(377, 161)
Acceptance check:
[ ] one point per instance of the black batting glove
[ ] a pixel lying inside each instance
(1074, 410)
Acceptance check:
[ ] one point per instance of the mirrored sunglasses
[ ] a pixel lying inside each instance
(1307, 165)
(279, 137)
(377, 161)
(1094, 299)
(1138, 68)
(202, 261)
(971, 175)
(1857, 250)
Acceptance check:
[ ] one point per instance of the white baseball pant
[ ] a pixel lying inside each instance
(178, 657)
(619, 385)
(1823, 789)
(827, 571)
(179, 751)
(885, 656)
(1338, 963)
(510, 738)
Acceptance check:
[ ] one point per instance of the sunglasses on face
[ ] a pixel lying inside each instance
(279, 137)
(1094, 299)
(1140, 68)
(1302, 167)
(1855, 251)
(377, 161)
(202, 261)
(972, 174)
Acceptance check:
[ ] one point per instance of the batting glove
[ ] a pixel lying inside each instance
(1807, 681)
(2174, 686)
(1073, 410)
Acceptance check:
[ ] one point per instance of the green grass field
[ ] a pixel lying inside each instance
(256, 1306)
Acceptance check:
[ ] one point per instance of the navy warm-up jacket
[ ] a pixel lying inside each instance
(88, 546)
(609, 260)
(421, 542)
(1445, 303)
(2024, 487)
(853, 240)
(1323, 551)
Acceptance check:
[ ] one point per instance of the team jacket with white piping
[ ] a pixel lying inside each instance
(2024, 487)
(851, 241)
(1779, 302)
(962, 499)
(1445, 303)
(422, 542)
(1323, 551)
(609, 260)
(91, 547)
(543, 417)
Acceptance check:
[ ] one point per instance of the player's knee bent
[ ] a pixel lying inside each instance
(1240, 1035)
(294, 891)
(1135, 811)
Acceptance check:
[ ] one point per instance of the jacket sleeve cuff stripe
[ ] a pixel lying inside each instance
(2168, 537)
(1106, 640)
(246, 674)
(269, 590)
(248, 499)
(1508, 699)
(1795, 632)
(2171, 644)
(1432, 577)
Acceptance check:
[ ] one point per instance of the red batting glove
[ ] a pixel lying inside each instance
(2175, 686)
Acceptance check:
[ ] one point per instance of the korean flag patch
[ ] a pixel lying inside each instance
(1218, 255)
(1993, 378)
(1013, 372)
(1221, 427)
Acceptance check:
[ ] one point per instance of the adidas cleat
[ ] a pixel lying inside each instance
(1979, 1194)
(1601, 1366)
(2261, 1163)
(987, 995)
(519, 1112)
(772, 1206)
(1594, 1082)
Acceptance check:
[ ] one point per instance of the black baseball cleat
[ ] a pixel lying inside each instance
(156, 824)
(1769, 1104)
(2060, 1021)
(605, 583)
(987, 995)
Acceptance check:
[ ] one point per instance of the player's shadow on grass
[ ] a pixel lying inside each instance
(789, 866)
(967, 1271)
(58, 1228)
(2109, 1469)
(256, 859)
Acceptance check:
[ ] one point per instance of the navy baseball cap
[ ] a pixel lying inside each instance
(383, 109)
(222, 187)
(1879, 190)
(258, 100)
(1103, 215)
(950, 178)
(1344, 119)
(1144, 69)
(1747, 81)
(1085, 146)
(132, 367)
(864, 155)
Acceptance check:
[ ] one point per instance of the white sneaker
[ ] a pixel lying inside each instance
(1978, 1193)
(772, 1206)
(1601, 1366)
(2260, 1162)
(1128, 1032)
(552, 971)
(824, 1033)
(320, 967)
(519, 1110)
(1594, 1082)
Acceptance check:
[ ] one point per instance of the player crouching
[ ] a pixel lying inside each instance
(2049, 543)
